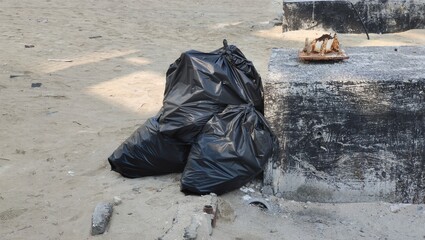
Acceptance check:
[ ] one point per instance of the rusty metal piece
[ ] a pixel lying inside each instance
(210, 210)
(324, 48)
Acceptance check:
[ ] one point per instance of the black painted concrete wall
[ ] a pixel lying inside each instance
(379, 16)
(350, 131)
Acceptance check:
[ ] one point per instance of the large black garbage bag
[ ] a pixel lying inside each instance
(199, 85)
(231, 150)
(148, 152)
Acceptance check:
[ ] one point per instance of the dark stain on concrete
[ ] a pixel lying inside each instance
(379, 16)
(353, 124)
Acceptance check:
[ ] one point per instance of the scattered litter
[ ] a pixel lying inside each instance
(29, 46)
(324, 48)
(71, 173)
(36, 85)
(261, 203)
(117, 201)
(94, 37)
(247, 189)
(246, 198)
(214, 206)
(101, 216)
(59, 60)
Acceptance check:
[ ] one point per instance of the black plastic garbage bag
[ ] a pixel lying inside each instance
(200, 85)
(231, 150)
(148, 152)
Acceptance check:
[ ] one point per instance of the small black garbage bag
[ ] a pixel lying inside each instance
(148, 152)
(231, 150)
(199, 85)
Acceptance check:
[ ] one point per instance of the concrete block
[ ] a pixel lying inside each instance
(346, 16)
(351, 131)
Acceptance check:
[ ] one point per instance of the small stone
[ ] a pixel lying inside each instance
(117, 200)
(35, 85)
(101, 216)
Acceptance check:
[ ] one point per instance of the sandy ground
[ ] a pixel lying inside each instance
(101, 65)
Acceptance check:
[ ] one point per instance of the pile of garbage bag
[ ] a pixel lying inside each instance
(211, 126)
